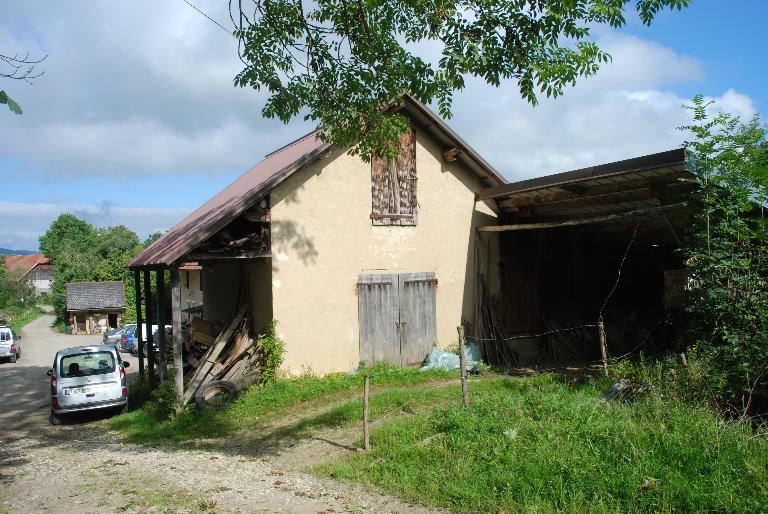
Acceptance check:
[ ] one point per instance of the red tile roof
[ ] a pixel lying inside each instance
(23, 264)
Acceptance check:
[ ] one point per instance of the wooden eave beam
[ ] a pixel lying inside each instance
(583, 221)
(593, 192)
(228, 256)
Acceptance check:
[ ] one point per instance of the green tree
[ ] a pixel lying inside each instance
(343, 64)
(68, 234)
(4, 286)
(728, 252)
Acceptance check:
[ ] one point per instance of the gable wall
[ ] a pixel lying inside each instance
(323, 238)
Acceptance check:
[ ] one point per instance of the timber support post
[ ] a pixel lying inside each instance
(150, 339)
(603, 345)
(139, 321)
(366, 434)
(162, 343)
(177, 337)
(463, 367)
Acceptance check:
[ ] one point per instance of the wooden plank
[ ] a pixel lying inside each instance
(418, 316)
(377, 318)
(202, 326)
(214, 352)
(585, 221)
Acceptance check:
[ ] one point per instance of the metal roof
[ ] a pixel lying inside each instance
(83, 296)
(242, 194)
(645, 166)
(639, 184)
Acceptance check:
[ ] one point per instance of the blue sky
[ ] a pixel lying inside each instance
(136, 120)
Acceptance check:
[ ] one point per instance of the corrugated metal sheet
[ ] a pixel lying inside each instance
(276, 166)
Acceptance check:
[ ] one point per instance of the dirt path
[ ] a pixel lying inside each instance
(80, 468)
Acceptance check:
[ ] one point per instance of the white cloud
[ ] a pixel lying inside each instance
(627, 110)
(21, 224)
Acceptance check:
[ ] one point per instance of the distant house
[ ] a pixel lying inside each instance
(93, 307)
(35, 267)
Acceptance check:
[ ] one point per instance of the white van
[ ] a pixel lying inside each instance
(87, 378)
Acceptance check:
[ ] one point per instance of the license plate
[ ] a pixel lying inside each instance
(77, 390)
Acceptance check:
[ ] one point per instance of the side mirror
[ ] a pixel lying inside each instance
(126, 364)
(50, 372)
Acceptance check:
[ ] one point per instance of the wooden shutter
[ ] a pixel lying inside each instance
(393, 186)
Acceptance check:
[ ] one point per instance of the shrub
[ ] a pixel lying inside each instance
(727, 254)
(273, 351)
(164, 400)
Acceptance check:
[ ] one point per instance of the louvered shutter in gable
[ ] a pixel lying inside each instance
(393, 186)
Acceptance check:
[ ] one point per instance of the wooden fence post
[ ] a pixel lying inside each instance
(463, 367)
(366, 435)
(603, 345)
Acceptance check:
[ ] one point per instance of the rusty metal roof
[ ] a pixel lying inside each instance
(276, 166)
(217, 212)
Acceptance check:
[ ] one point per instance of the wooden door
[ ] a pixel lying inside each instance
(378, 317)
(397, 317)
(418, 320)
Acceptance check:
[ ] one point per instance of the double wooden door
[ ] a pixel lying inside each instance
(397, 317)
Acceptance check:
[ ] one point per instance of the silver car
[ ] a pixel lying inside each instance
(87, 378)
(10, 344)
(113, 336)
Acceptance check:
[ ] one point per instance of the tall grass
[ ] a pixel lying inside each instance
(539, 445)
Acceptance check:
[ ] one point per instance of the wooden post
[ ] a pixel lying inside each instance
(463, 367)
(150, 337)
(684, 360)
(163, 360)
(177, 338)
(366, 435)
(603, 345)
(139, 320)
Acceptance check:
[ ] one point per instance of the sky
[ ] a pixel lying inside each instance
(136, 120)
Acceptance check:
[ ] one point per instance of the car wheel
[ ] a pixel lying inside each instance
(13, 358)
(55, 419)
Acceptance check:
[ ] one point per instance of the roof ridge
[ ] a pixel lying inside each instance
(292, 143)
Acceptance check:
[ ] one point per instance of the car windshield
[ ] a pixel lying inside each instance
(87, 364)
(5, 335)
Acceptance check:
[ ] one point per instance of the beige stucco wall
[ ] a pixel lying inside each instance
(322, 239)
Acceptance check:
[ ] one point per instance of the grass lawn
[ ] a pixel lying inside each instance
(540, 445)
(535, 444)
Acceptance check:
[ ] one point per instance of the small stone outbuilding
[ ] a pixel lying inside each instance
(95, 307)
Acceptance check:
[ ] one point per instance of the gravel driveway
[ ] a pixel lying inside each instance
(79, 467)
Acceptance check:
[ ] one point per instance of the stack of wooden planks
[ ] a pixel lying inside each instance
(232, 355)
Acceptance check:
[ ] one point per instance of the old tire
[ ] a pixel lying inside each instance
(54, 418)
(214, 395)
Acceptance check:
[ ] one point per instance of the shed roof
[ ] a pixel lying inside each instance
(95, 295)
(23, 264)
(243, 193)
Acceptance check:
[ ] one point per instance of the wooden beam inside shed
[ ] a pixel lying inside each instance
(584, 221)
